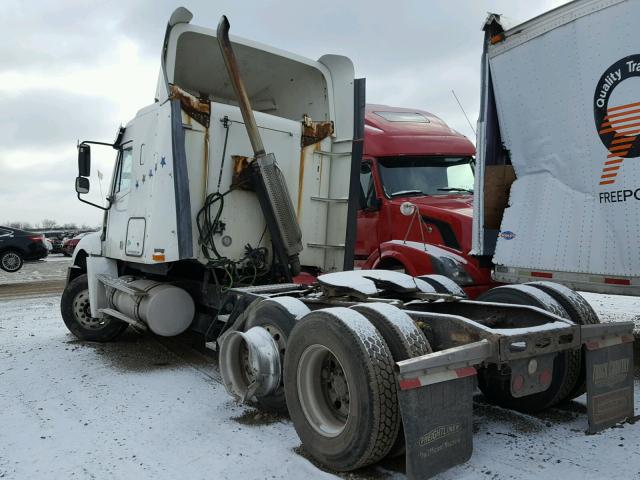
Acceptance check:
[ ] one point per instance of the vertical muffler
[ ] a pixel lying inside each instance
(269, 182)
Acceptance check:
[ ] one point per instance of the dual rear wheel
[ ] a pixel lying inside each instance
(339, 385)
(568, 375)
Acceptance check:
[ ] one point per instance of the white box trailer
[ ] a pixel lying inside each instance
(560, 117)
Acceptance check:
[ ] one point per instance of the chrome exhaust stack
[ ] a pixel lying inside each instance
(267, 178)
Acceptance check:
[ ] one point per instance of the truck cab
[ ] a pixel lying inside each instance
(416, 198)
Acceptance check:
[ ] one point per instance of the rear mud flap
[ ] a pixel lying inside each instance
(609, 370)
(436, 404)
(437, 442)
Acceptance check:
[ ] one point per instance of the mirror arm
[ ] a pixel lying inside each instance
(90, 142)
(95, 205)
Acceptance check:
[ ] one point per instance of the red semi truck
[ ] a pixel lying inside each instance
(416, 201)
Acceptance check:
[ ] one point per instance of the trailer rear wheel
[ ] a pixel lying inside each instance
(340, 389)
(496, 385)
(404, 338)
(76, 314)
(278, 316)
(581, 312)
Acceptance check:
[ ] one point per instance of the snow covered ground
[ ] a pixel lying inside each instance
(150, 408)
(53, 267)
(138, 408)
(131, 409)
(615, 308)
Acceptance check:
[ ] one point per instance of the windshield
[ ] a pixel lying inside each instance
(426, 175)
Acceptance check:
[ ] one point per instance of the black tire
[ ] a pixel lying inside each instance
(278, 316)
(496, 385)
(404, 339)
(11, 261)
(74, 306)
(581, 312)
(443, 284)
(344, 338)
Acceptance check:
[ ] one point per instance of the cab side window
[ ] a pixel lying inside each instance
(367, 187)
(125, 168)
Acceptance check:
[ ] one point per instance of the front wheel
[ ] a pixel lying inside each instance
(76, 314)
(11, 261)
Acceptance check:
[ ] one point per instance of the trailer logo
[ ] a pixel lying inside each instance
(507, 235)
(618, 125)
(611, 373)
(438, 433)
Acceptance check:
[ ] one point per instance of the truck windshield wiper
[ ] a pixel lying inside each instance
(454, 189)
(406, 192)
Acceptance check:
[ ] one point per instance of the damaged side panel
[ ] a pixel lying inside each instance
(197, 109)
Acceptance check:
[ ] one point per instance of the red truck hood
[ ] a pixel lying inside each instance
(461, 205)
(455, 210)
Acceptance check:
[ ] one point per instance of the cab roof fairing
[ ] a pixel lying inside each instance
(386, 138)
(278, 82)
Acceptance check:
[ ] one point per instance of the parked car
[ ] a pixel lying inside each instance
(56, 241)
(69, 244)
(19, 246)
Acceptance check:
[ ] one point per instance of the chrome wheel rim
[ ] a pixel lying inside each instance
(82, 312)
(323, 390)
(11, 261)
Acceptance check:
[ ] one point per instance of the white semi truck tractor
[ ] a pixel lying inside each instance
(232, 213)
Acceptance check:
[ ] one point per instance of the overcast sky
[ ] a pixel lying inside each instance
(77, 69)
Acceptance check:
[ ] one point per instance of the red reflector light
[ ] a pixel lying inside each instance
(37, 238)
(545, 377)
(617, 281)
(518, 383)
(466, 372)
(542, 274)
(410, 383)
(592, 345)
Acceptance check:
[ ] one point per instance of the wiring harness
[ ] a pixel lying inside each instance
(246, 271)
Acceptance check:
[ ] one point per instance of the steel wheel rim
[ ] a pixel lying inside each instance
(246, 369)
(11, 261)
(82, 312)
(278, 336)
(323, 390)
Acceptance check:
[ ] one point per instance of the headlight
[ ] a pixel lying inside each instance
(453, 269)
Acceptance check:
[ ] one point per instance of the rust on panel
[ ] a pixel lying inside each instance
(206, 162)
(303, 152)
(241, 172)
(316, 148)
(314, 132)
(197, 109)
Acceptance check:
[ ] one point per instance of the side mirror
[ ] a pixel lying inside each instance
(84, 161)
(82, 185)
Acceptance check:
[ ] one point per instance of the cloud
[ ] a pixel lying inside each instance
(37, 185)
(79, 68)
(48, 119)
